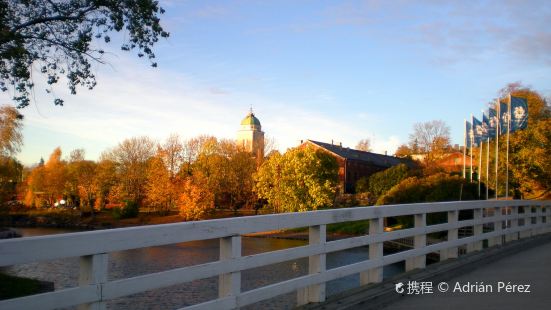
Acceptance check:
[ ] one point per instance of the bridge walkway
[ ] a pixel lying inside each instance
(525, 262)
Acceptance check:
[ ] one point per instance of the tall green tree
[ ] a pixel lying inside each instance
(60, 38)
(302, 179)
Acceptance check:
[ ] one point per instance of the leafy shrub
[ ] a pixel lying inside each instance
(130, 210)
(362, 186)
(381, 182)
(438, 187)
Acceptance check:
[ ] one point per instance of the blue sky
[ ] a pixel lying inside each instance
(322, 70)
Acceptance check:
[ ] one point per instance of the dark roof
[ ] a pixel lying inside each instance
(373, 158)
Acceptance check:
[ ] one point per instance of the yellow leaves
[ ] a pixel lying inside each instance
(196, 199)
(300, 180)
(159, 188)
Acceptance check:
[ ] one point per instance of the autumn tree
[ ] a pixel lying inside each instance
(35, 184)
(11, 140)
(241, 188)
(529, 149)
(302, 179)
(80, 185)
(432, 140)
(196, 199)
(85, 184)
(56, 174)
(172, 155)
(228, 171)
(160, 188)
(105, 181)
(403, 151)
(10, 176)
(131, 158)
(192, 148)
(71, 184)
(46, 183)
(364, 145)
(62, 38)
(11, 123)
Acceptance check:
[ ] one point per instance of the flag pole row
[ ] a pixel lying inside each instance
(504, 117)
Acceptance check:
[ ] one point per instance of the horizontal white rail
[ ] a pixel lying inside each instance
(94, 288)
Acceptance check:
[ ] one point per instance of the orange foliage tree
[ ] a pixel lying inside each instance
(196, 198)
(46, 183)
(160, 189)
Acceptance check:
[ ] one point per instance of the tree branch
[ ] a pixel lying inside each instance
(54, 42)
(52, 19)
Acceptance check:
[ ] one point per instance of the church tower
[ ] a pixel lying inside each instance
(250, 137)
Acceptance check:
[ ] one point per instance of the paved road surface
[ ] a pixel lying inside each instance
(532, 266)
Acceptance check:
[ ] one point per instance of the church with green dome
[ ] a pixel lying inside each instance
(251, 137)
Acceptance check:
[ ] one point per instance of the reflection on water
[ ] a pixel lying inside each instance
(123, 264)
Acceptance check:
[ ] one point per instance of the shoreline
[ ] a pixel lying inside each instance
(105, 221)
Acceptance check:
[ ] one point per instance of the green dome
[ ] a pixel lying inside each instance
(250, 119)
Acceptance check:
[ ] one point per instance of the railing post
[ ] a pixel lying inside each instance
(498, 227)
(316, 264)
(419, 241)
(537, 230)
(453, 217)
(546, 218)
(527, 231)
(93, 271)
(514, 225)
(477, 230)
(374, 275)
(547, 212)
(229, 284)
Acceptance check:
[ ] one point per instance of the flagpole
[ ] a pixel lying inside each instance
(464, 148)
(481, 145)
(487, 166)
(507, 160)
(497, 142)
(471, 138)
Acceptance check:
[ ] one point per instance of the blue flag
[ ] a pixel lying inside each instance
(519, 113)
(485, 126)
(503, 117)
(468, 134)
(492, 117)
(477, 131)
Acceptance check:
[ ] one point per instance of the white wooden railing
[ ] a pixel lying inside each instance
(512, 220)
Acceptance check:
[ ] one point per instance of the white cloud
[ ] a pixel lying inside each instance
(154, 102)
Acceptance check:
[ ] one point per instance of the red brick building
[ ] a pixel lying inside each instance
(355, 164)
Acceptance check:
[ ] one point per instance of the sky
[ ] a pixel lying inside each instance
(320, 70)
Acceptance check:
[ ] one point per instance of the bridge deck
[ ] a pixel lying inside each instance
(523, 262)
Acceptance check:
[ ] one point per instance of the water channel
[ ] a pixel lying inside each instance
(122, 264)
